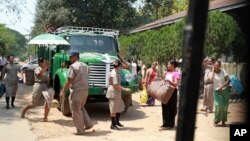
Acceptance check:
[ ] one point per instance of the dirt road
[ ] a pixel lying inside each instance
(141, 122)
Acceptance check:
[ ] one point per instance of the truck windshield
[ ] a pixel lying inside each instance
(83, 43)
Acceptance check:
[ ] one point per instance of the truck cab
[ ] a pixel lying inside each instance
(98, 48)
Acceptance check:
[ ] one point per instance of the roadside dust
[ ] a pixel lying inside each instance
(141, 122)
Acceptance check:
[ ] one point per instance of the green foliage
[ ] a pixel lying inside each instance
(157, 9)
(52, 14)
(223, 36)
(179, 5)
(152, 45)
(117, 14)
(11, 41)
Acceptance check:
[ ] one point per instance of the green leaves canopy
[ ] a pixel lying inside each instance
(152, 45)
(117, 14)
(11, 42)
(223, 37)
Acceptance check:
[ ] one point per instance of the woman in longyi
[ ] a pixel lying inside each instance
(169, 110)
(221, 82)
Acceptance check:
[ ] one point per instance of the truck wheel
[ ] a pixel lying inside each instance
(64, 106)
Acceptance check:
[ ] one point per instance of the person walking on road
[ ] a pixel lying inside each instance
(221, 82)
(116, 104)
(10, 78)
(208, 98)
(41, 84)
(78, 84)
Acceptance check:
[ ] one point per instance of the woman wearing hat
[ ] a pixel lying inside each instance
(116, 104)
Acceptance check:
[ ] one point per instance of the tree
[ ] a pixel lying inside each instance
(170, 42)
(13, 7)
(179, 5)
(154, 45)
(11, 41)
(223, 36)
(117, 14)
(51, 13)
(157, 9)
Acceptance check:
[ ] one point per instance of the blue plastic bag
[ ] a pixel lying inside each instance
(235, 83)
(2, 89)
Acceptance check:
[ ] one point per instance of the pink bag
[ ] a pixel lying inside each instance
(161, 90)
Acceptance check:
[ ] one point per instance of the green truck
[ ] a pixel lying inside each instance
(98, 48)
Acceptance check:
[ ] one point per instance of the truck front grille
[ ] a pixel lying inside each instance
(98, 74)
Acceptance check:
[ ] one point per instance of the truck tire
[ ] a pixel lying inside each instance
(64, 104)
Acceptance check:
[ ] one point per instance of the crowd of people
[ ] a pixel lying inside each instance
(215, 95)
(216, 92)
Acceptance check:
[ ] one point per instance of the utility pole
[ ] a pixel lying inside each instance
(193, 44)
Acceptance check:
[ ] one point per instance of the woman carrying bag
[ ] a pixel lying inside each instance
(169, 110)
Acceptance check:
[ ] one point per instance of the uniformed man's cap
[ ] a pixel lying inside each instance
(74, 54)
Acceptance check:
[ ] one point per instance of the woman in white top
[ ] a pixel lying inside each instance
(221, 82)
(169, 110)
